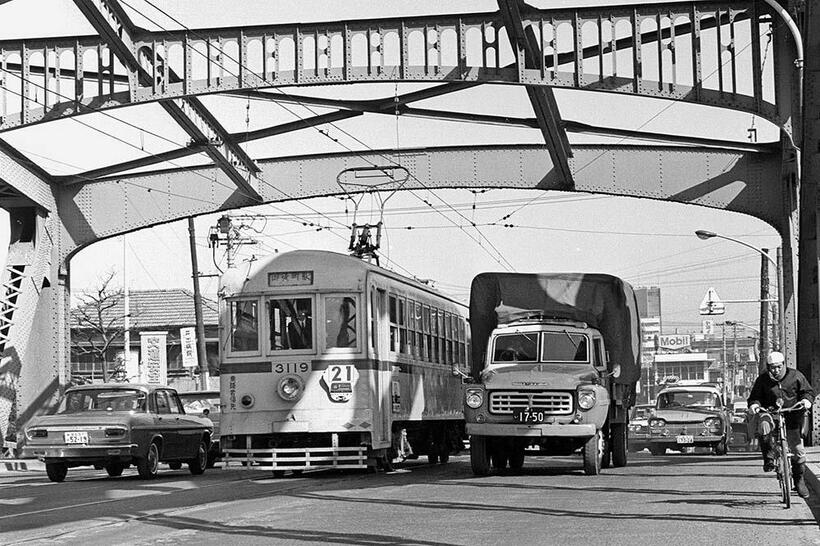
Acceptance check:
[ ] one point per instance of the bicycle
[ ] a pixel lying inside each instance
(782, 466)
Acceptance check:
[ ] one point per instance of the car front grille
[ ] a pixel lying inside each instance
(554, 403)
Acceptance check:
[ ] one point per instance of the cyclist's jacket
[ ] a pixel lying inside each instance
(793, 387)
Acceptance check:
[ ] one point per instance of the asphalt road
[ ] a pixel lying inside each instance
(674, 499)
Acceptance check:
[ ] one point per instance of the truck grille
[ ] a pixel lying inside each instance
(506, 402)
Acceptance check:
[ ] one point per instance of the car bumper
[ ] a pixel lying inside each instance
(696, 440)
(81, 453)
(538, 431)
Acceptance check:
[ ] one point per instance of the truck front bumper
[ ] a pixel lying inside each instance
(537, 431)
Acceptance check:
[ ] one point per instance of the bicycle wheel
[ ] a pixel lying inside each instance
(785, 474)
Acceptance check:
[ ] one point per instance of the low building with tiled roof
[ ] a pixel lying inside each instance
(150, 310)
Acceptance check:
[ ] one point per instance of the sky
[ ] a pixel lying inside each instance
(648, 243)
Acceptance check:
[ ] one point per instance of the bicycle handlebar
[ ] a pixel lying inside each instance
(775, 411)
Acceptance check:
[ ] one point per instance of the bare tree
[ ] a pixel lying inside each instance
(99, 320)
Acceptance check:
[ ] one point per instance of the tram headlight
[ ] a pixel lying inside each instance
(474, 398)
(290, 387)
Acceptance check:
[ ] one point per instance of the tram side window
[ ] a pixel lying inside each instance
(340, 321)
(244, 326)
(291, 323)
(462, 349)
(418, 353)
(441, 337)
(448, 325)
(394, 324)
(404, 346)
(434, 313)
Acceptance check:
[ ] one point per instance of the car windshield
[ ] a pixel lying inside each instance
(641, 413)
(197, 403)
(687, 398)
(103, 400)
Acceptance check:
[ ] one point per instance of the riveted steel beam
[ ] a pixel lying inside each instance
(22, 182)
(528, 52)
(112, 22)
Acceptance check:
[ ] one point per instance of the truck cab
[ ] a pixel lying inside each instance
(545, 389)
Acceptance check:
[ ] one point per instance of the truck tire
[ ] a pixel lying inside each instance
(619, 444)
(499, 458)
(606, 453)
(722, 447)
(479, 455)
(656, 449)
(517, 458)
(593, 452)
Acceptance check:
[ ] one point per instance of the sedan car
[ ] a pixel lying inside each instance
(639, 427)
(689, 416)
(206, 404)
(116, 425)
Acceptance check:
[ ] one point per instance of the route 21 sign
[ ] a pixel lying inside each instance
(340, 380)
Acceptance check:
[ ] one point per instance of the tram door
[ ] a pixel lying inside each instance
(380, 331)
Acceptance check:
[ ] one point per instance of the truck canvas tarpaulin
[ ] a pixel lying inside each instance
(602, 301)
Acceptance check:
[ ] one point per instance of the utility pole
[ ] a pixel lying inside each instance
(200, 324)
(765, 305)
(735, 361)
(725, 362)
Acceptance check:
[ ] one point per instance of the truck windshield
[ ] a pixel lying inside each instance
(565, 347)
(520, 347)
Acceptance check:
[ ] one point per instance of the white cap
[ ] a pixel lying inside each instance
(776, 357)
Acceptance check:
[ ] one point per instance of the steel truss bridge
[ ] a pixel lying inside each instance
(705, 53)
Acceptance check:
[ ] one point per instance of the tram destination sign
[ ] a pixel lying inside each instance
(290, 278)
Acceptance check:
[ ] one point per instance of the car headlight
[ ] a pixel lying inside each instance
(290, 387)
(586, 399)
(474, 398)
(713, 424)
(656, 424)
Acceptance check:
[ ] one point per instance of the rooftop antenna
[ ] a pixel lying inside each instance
(357, 182)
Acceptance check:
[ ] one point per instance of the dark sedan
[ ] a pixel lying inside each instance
(116, 425)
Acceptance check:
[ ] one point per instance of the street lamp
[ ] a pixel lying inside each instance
(704, 234)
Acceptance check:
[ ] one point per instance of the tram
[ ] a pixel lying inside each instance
(329, 361)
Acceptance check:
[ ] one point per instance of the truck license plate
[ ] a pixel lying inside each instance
(686, 439)
(529, 416)
(76, 437)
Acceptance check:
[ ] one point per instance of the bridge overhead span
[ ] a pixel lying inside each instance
(696, 51)
(735, 180)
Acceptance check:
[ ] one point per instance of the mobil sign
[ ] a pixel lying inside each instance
(674, 342)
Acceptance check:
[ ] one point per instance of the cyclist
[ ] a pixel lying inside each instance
(792, 387)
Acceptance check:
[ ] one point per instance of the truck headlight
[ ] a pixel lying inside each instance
(474, 398)
(586, 399)
(290, 387)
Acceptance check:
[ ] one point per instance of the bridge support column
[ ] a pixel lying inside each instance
(34, 311)
(808, 339)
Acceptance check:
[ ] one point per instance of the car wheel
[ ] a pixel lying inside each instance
(56, 471)
(176, 465)
(432, 458)
(198, 464)
(114, 469)
(147, 466)
(657, 450)
(212, 457)
(721, 448)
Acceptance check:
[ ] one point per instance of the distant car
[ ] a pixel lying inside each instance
(689, 416)
(739, 411)
(206, 404)
(639, 427)
(116, 425)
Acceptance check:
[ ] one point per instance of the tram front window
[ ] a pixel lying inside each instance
(340, 319)
(291, 323)
(244, 326)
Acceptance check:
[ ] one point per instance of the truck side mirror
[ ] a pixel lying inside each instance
(458, 373)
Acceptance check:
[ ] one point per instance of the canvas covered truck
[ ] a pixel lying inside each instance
(555, 361)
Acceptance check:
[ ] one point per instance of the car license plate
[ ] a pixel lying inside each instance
(529, 416)
(76, 437)
(686, 439)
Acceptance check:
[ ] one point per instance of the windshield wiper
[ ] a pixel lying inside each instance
(575, 345)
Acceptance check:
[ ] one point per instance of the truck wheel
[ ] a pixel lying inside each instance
(721, 448)
(479, 455)
(606, 450)
(499, 459)
(619, 442)
(593, 452)
(655, 449)
(517, 458)
(56, 471)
